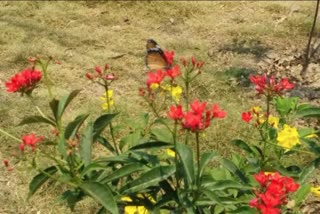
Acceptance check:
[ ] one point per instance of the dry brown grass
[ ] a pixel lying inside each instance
(85, 34)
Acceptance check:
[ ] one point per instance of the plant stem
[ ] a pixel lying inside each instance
(110, 124)
(174, 135)
(9, 135)
(198, 157)
(307, 56)
(44, 67)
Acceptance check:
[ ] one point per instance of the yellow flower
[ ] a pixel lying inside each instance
(175, 91)
(106, 105)
(154, 86)
(273, 121)
(315, 191)
(268, 173)
(288, 137)
(170, 152)
(133, 209)
(256, 109)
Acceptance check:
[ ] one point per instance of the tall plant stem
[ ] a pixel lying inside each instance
(9, 135)
(307, 54)
(267, 123)
(110, 124)
(175, 152)
(198, 157)
(47, 81)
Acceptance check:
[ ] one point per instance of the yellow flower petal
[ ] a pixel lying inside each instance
(274, 121)
(288, 137)
(170, 152)
(315, 191)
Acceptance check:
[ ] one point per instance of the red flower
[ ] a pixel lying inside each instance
(193, 60)
(217, 112)
(290, 185)
(6, 163)
(269, 210)
(200, 64)
(175, 112)
(270, 200)
(192, 121)
(98, 70)
(89, 76)
(110, 77)
(155, 77)
(184, 61)
(273, 193)
(262, 178)
(173, 72)
(169, 56)
(246, 116)
(198, 107)
(269, 86)
(30, 140)
(24, 82)
(285, 84)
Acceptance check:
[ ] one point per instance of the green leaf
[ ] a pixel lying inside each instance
(234, 170)
(309, 112)
(54, 103)
(65, 101)
(211, 195)
(225, 184)
(244, 210)
(205, 159)
(186, 157)
(91, 167)
(72, 197)
(122, 172)
(36, 119)
(102, 194)
(106, 144)
(85, 144)
(40, 179)
(73, 127)
(308, 170)
(152, 145)
(152, 177)
(301, 194)
(243, 145)
(284, 105)
(162, 134)
(101, 123)
(313, 146)
(131, 139)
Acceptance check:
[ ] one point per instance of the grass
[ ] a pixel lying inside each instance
(85, 34)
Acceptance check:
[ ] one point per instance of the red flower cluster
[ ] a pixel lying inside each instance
(198, 118)
(273, 193)
(269, 86)
(24, 82)
(99, 73)
(246, 116)
(30, 140)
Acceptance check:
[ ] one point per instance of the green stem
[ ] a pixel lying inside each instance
(198, 158)
(9, 135)
(267, 124)
(174, 135)
(109, 111)
(44, 67)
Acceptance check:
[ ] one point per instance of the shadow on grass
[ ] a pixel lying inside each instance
(239, 75)
(247, 46)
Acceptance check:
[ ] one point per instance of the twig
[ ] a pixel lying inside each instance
(307, 56)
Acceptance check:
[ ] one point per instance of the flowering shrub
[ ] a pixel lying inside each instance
(153, 168)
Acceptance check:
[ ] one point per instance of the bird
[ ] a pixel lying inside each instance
(155, 57)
